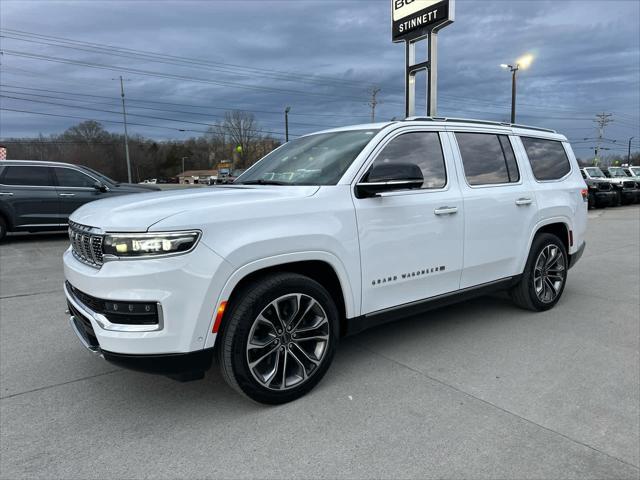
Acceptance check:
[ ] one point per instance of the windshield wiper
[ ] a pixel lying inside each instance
(262, 182)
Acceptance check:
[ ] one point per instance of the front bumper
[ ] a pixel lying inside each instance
(185, 288)
(573, 259)
(605, 198)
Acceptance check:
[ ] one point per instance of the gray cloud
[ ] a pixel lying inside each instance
(587, 60)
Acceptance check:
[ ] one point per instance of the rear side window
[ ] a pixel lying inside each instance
(68, 177)
(548, 159)
(28, 176)
(488, 159)
(420, 148)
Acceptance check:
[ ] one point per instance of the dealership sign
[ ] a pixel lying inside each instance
(412, 19)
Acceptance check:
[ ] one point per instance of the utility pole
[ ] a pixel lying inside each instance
(602, 119)
(629, 152)
(183, 159)
(286, 124)
(126, 134)
(374, 102)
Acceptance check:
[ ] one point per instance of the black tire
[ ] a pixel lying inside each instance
(246, 305)
(3, 228)
(524, 293)
(592, 201)
(618, 201)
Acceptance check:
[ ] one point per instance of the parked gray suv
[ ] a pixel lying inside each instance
(36, 196)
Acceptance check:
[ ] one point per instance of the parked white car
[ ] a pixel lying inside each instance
(328, 235)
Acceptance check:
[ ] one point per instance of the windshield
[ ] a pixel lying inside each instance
(100, 176)
(617, 172)
(635, 171)
(595, 172)
(319, 159)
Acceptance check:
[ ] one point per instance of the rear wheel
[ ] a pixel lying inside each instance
(592, 201)
(279, 339)
(544, 276)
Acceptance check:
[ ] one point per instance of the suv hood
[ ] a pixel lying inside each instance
(137, 213)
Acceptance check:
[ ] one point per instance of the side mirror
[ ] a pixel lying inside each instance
(101, 187)
(388, 177)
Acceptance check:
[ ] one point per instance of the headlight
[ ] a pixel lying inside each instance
(127, 245)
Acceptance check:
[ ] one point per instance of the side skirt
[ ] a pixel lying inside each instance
(380, 317)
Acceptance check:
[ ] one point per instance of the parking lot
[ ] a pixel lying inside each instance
(478, 390)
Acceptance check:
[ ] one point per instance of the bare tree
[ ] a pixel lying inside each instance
(242, 130)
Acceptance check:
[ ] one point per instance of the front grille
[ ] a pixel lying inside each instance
(86, 245)
(629, 184)
(604, 186)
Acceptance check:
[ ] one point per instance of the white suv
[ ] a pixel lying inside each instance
(328, 235)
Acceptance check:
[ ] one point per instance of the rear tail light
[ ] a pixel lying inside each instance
(585, 194)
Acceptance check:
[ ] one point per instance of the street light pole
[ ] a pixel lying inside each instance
(523, 62)
(126, 135)
(286, 124)
(629, 152)
(183, 159)
(513, 71)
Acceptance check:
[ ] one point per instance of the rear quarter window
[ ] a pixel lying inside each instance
(548, 158)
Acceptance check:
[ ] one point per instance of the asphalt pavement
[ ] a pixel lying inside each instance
(477, 390)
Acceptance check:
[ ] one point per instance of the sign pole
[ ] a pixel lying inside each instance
(432, 72)
(411, 22)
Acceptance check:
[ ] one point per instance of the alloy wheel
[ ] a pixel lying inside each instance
(287, 341)
(549, 273)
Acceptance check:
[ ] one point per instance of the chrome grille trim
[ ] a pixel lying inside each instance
(86, 244)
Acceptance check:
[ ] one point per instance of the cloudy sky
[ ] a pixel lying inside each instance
(187, 62)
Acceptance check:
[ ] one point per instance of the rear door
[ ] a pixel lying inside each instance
(75, 188)
(28, 196)
(411, 240)
(500, 207)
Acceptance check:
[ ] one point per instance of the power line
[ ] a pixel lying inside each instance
(120, 122)
(164, 57)
(113, 103)
(136, 71)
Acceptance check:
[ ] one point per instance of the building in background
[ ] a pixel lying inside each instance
(206, 177)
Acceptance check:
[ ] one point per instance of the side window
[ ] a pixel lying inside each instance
(548, 159)
(419, 148)
(584, 175)
(27, 176)
(68, 177)
(488, 159)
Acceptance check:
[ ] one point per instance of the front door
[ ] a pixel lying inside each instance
(411, 240)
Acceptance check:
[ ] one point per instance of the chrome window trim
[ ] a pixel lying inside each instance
(82, 173)
(51, 186)
(388, 138)
(489, 185)
(104, 323)
(555, 180)
(26, 186)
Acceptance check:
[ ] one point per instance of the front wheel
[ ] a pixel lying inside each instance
(544, 276)
(279, 338)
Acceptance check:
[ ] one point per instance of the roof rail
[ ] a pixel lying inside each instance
(480, 122)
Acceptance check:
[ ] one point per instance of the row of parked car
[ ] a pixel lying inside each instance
(612, 186)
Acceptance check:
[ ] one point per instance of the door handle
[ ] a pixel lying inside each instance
(6, 194)
(67, 194)
(445, 210)
(524, 201)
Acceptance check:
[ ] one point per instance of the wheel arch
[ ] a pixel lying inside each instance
(322, 267)
(558, 226)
